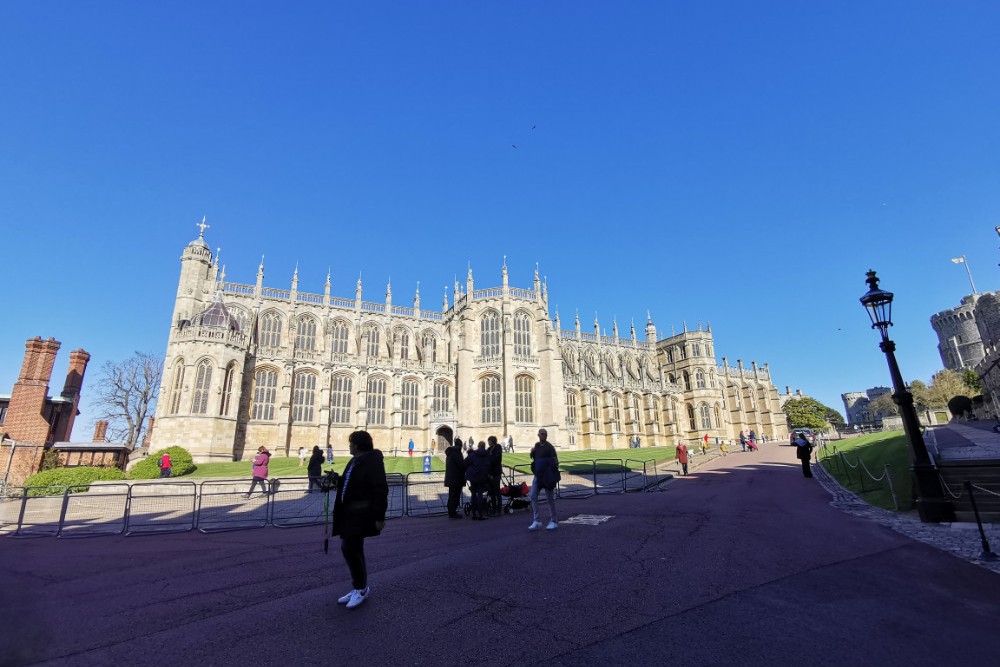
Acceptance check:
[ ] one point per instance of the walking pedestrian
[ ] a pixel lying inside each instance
(329, 454)
(743, 441)
(315, 469)
(166, 467)
(803, 450)
(681, 456)
(454, 470)
(409, 448)
(545, 466)
(359, 511)
(259, 470)
(704, 445)
(302, 456)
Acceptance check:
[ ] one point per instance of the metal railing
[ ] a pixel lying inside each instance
(154, 507)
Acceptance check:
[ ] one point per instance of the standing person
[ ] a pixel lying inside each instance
(496, 472)
(329, 454)
(359, 511)
(260, 470)
(704, 445)
(724, 448)
(302, 456)
(454, 471)
(315, 469)
(743, 441)
(478, 475)
(510, 444)
(545, 466)
(166, 467)
(752, 441)
(409, 448)
(681, 456)
(803, 450)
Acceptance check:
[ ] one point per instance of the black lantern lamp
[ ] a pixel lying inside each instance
(931, 504)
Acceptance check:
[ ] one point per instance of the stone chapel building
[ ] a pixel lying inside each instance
(249, 365)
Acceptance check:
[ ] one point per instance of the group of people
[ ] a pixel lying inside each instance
(481, 467)
(748, 442)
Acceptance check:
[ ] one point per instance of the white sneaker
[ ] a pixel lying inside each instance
(552, 525)
(344, 599)
(357, 597)
(534, 525)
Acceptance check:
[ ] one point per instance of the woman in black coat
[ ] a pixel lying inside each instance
(454, 472)
(478, 474)
(315, 469)
(359, 510)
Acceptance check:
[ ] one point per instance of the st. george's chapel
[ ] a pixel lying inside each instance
(249, 365)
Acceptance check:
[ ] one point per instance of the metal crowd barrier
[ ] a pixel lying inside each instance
(144, 508)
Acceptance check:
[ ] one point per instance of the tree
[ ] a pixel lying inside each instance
(810, 413)
(126, 395)
(882, 406)
(972, 382)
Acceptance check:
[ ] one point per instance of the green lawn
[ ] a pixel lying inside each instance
(289, 466)
(876, 450)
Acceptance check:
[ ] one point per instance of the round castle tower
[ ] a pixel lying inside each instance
(959, 343)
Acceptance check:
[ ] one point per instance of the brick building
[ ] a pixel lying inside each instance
(30, 419)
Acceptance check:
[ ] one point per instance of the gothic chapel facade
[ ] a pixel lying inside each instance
(248, 365)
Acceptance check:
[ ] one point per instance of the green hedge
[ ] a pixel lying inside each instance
(78, 477)
(149, 467)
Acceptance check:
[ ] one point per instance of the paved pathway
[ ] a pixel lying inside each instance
(743, 562)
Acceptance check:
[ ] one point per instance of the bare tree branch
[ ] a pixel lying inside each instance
(126, 395)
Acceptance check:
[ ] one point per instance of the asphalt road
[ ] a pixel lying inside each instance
(741, 562)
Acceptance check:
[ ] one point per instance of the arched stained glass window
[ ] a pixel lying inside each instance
(270, 330)
(489, 335)
(411, 392)
(341, 334)
(522, 334)
(706, 416)
(304, 397)
(227, 389)
(377, 387)
(177, 387)
(340, 399)
(264, 393)
(442, 396)
(489, 388)
(524, 400)
(202, 384)
(305, 337)
(374, 338)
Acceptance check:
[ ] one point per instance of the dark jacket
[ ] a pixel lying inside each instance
(364, 500)
(315, 468)
(496, 460)
(478, 472)
(545, 465)
(454, 466)
(802, 449)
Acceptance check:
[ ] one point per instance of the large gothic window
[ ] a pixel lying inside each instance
(696, 349)
(376, 400)
(270, 330)
(706, 416)
(718, 416)
(637, 413)
(489, 335)
(571, 408)
(411, 391)
(305, 337)
(430, 346)
(203, 382)
(687, 381)
(227, 389)
(489, 389)
(340, 399)
(522, 334)
(524, 401)
(341, 333)
(404, 344)
(373, 341)
(595, 411)
(442, 401)
(177, 387)
(264, 394)
(304, 397)
(699, 379)
(694, 426)
(616, 412)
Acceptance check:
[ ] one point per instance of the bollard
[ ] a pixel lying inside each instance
(987, 554)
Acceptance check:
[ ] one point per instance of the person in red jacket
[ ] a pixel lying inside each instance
(260, 470)
(681, 456)
(165, 465)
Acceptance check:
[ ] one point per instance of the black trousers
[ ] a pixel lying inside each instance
(454, 498)
(805, 467)
(353, 549)
(494, 493)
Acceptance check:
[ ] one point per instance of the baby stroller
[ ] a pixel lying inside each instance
(516, 496)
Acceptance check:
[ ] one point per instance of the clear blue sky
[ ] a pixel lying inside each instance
(739, 163)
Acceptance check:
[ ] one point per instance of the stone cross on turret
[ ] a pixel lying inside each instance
(202, 227)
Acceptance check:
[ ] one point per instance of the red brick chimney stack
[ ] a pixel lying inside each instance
(101, 430)
(62, 427)
(26, 418)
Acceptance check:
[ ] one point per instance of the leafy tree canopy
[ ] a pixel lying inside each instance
(972, 382)
(810, 413)
(945, 385)
(883, 404)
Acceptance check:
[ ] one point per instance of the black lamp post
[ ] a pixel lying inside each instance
(931, 504)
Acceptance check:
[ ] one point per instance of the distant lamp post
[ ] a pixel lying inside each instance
(963, 260)
(931, 504)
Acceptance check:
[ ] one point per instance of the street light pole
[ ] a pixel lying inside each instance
(931, 504)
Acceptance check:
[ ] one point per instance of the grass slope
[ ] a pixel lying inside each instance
(876, 450)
